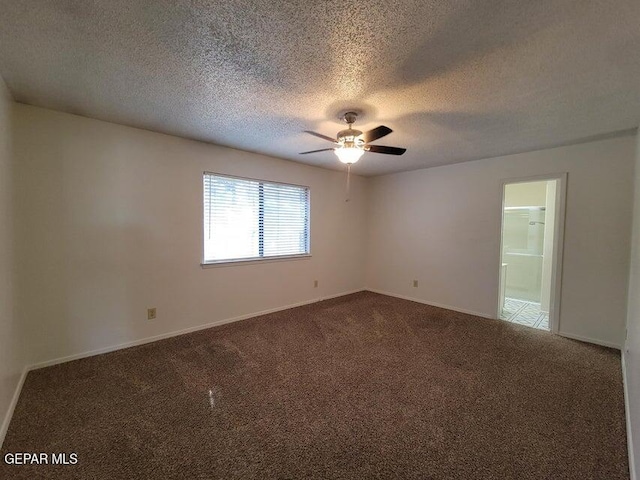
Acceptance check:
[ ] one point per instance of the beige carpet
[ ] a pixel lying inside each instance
(364, 386)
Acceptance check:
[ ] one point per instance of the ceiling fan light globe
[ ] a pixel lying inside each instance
(349, 155)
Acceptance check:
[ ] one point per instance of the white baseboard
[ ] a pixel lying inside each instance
(425, 302)
(484, 315)
(175, 333)
(12, 405)
(627, 410)
(602, 343)
(142, 341)
(47, 363)
(337, 295)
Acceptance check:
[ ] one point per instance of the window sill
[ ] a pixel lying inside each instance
(252, 261)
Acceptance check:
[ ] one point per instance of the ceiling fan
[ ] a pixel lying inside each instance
(351, 143)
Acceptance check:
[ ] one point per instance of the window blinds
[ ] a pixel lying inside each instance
(251, 219)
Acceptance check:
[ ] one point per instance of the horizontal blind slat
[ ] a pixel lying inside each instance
(245, 218)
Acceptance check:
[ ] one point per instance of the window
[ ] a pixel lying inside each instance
(248, 219)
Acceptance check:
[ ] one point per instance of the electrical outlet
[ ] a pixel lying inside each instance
(415, 283)
(315, 284)
(151, 313)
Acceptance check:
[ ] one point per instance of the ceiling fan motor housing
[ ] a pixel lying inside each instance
(350, 137)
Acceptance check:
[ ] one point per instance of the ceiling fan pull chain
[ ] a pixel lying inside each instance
(348, 180)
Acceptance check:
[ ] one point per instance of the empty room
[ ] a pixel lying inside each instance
(260, 239)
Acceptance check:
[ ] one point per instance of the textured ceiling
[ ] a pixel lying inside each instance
(455, 80)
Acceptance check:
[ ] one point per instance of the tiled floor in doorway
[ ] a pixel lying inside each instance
(525, 313)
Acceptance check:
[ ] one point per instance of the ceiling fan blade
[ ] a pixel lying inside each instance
(387, 150)
(319, 135)
(376, 133)
(314, 151)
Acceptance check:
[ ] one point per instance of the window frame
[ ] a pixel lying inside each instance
(252, 260)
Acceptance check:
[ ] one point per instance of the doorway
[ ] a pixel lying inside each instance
(531, 251)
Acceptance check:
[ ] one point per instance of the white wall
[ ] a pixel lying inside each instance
(12, 358)
(441, 226)
(528, 194)
(632, 351)
(111, 224)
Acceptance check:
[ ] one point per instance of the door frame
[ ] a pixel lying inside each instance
(558, 242)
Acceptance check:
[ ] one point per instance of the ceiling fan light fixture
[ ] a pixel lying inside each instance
(349, 155)
(350, 144)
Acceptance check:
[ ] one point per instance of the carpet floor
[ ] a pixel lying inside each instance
(362, 386)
